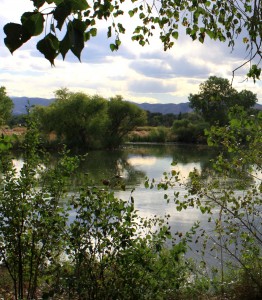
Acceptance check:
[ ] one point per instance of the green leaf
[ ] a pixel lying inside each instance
(93, 31)
(146, 184)
(65, 45)
(109, 32)
(131, 13)
(16, 36)
(33, 22)
(113, 47)
(61, 12)
(79, 25)
(77, 37)
(38, 3)
(49, 47)
(175, 35)
(78, 4)
(210, 34)
(254, 72)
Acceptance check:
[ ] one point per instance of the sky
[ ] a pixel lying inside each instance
(140, 74)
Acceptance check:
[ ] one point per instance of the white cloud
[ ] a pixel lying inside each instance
(141, 74)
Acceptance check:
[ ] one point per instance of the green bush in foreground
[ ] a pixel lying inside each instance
(86, 244)
(61, 241)
(230, 195)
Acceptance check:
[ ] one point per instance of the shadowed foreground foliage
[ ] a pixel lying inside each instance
(80, 242)
(59, 240)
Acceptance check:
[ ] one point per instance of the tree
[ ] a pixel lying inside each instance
(32, 221)
(189, 131)
(78, 119)
(83, 121)
(6, 106)
(230, 195)
(216, 97)
(77, 20)
(123, 117)
(237, 225)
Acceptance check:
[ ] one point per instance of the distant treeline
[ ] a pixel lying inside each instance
(84, 121)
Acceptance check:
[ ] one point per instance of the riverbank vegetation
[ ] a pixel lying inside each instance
(64, 240)
(92, 122)
(70, 237)
(59, 240)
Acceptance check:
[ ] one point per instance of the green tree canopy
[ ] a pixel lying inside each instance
(123, 117)
(86, 121)
(68, 24)
(78, 119)
(6, 106)
(216, 97)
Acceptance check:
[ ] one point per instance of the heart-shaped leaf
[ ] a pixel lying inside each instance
(49, 46)
(65, 45)
(61, 12)
(33, 22)
(16, 36)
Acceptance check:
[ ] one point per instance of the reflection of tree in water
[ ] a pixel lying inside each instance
(111, 166)
(184, 154)
(114, 165)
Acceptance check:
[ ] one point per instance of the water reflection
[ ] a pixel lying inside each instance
(133, 163)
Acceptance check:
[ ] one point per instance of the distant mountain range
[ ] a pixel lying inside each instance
(169, 108)
(21, 103)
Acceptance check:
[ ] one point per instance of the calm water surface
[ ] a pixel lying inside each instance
(133, 163)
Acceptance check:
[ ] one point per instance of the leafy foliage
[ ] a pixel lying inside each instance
(123, 117)
(83, 121)
(78, 19)
(216, 97)
(231, 197)
(32, 221)
(65, 241)
(189, 131)
(6, 106)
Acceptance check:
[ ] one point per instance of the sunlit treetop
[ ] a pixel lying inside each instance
(69, 24)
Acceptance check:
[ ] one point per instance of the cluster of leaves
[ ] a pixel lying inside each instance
(231, 197)
(219, 20)
(216, 97)
(31, 217)
(62, 240)
(86, 121)
(6, 106)
(190, 129)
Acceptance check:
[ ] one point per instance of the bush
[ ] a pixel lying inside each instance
(188, 132)
(96, 247)
(150, 135)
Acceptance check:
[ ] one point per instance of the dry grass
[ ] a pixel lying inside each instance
(16, 130)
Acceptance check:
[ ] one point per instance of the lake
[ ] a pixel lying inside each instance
(133, 163)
